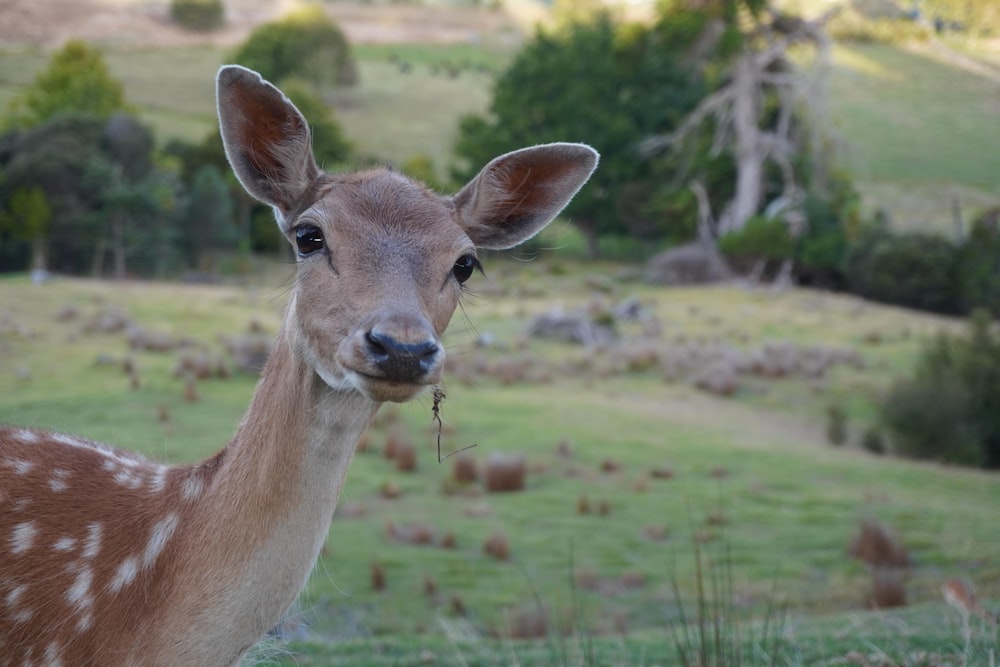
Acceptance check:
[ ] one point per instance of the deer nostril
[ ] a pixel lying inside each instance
(401, 361)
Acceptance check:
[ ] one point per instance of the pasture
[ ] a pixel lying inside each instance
(629, 464)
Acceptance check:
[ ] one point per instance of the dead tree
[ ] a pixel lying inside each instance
(745, 128)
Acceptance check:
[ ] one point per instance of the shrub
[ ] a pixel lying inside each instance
(761, 239)
(916, 270)
(198, 14)
(950, 409)
(836, 425)
(306, 43)
(978, 270)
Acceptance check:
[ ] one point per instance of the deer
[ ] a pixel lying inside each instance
(108, 558)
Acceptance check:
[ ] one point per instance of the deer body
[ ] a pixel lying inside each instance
(108, 559)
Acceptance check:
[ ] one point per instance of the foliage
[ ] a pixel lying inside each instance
(208, 225)
(306, 44)
(762, 238)
(198, 14)
(27, 218)
(978, 269)
(950, 409)
(329, 144)
(99, 180)
(912, 269)
(76, 80)
(978, 17)
(607, 86)
(832, 219)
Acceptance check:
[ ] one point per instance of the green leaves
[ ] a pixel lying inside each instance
(77, 80)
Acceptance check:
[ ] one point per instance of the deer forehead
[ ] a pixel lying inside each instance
(383, 208)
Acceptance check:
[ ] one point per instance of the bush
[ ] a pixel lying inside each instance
(761, 240)
(198, 14)
(916, 270)
(950, 409)
(978, 270)
(306, 44)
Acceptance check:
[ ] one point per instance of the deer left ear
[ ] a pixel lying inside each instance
(517, 194)
(267, 140)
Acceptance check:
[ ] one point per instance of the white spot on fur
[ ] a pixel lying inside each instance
(19, 466)
(162, 532)
(58, 481)
(192, 486)
(27, 437)
(64, 544)
(158, 481)
(125, 574)
(22, 537)
(14, 594)
(23, 616)
(85, 622)
(110, 453)
(52, 657)
(129, 478)
(93, 544)
(78, 594)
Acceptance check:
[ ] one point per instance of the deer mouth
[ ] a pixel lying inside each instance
(384, 389)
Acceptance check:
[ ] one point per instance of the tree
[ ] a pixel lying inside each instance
(607, 86)
(209, 223)
(306, 44)
(76, 80)
(28, 217)
(755, 114)
(100, 182)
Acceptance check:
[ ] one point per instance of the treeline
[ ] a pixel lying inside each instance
(85, 190)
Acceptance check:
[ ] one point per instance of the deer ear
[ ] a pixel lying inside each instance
(267, 140)
(517, 194)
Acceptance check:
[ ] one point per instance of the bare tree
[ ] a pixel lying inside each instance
(748, 128)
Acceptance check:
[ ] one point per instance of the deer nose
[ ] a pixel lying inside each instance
(399, 361)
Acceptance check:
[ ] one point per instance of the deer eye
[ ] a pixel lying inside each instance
(464, 267)
(308, 239)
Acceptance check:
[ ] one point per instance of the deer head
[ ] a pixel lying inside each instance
(382, 260)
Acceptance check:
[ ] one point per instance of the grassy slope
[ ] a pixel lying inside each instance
(790, 502)
(918, 132)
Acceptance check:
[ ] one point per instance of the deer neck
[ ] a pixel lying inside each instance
(270, 496)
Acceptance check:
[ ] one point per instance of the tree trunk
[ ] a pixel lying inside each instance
(118, 245)
(39, 260)
(749, 150)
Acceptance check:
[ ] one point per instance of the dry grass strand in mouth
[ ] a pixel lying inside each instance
(439, 397)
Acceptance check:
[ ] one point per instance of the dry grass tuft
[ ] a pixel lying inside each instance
(528, 623)
(377, 576)
(505, 472)
(878, 546)
(888, 589)
(496, 546)
(464, 470)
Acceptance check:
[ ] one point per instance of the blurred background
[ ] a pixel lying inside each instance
(739, 405)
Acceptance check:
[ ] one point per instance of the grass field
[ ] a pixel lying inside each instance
(752, 472)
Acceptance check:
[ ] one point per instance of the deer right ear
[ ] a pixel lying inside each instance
(518, 193)
(267, 140)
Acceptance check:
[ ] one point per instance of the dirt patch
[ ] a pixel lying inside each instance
(50, 23)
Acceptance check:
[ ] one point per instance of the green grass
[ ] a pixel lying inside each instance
(917, 131)
(790, 502)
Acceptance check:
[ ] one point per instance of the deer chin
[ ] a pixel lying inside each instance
(374, 388)
(382, 390)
